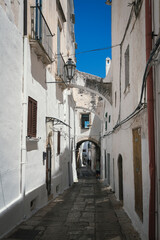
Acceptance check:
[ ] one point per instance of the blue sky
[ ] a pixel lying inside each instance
(92, 31)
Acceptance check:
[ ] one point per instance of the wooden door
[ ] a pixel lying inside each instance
(137, 162)
(48, 169)
(120, 175)
(108, 174)
(105, 164)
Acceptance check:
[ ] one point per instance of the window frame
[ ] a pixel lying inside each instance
(127, 68)
(83, 122)
(32, 118)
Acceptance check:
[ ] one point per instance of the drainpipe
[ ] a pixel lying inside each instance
(150, 106)
(24, 103)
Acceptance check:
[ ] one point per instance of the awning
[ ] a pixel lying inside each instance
(56, 121)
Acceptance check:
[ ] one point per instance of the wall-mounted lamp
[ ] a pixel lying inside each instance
(108, 2)
(70, 67)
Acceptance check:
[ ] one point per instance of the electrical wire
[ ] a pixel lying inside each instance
(141, 106)
(98, 49)
(88, 51)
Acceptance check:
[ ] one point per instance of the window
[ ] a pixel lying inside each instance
(106, 126)
(32, 117)
(39, 20)
(85, 121)
(59, 51)
(115, 98)
(127, 67)
(58, 142)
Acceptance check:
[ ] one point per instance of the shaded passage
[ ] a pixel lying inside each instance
(87, 211)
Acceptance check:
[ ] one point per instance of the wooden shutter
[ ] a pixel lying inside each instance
(32, 117)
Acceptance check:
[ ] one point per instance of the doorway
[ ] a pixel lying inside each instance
(137, 162)
(108, 174)
(48, 168)
(120, 176)
(69, 174)
(105, 167)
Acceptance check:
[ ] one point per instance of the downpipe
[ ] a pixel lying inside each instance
(24, 107)
(150, 106)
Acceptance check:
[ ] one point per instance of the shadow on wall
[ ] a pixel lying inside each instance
(31, 146)
(65, 164)
(95, 131)
(38, 70)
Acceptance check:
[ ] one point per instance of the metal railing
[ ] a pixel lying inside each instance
(60, 67)
(40, 30)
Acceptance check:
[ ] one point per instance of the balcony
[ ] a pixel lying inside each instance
(60, 76)
(41, 38)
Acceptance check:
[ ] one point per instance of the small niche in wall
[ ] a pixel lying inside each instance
(57, 189)
(33, 204)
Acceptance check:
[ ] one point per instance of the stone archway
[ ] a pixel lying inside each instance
(95, 150)
(93, 84)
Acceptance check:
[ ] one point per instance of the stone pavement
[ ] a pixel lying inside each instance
(86, 211)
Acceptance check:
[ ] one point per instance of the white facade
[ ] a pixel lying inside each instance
(25, 68)
(119, 147)
(156, 72)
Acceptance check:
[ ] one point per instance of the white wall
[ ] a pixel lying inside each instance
(52, 101)
(122, 137)
(156, 69)
(11, 71)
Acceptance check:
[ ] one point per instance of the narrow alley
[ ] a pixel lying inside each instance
(86, 211)
(80, 120)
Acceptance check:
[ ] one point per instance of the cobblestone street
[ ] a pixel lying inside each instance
(87, 211)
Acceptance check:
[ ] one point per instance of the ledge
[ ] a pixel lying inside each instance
(32, 139)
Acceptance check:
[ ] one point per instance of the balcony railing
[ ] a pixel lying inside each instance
(60, 68)
(41, 35)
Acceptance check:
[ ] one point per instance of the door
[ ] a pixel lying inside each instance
(105, 164)
(69, 174)
(48, 169)
(108, 174)
(120, 175)
(137, 162)
(38, 20)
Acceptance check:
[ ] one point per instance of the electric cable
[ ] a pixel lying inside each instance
(88, 51)
(141, 106)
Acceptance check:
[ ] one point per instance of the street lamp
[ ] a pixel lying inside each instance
(68, 71)
(70, 67)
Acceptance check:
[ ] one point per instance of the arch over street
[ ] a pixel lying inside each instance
(93, 84)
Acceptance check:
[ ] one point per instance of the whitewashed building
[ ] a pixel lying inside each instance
(155, 18)
(135, 33)
(37, 160)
